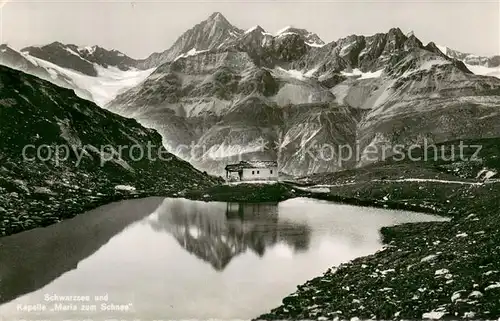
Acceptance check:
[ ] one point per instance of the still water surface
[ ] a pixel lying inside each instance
(155, 258)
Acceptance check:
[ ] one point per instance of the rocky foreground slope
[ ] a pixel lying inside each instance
(61, 155)
(220, 100)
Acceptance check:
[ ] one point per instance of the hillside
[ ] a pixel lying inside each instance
(79, 165)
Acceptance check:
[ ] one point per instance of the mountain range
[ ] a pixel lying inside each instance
(94, 73)
(219, 92)
(81, 59)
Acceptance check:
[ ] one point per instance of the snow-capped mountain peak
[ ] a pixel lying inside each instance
(217, 16)
(311, 39)
(218, 20)
(206, 35)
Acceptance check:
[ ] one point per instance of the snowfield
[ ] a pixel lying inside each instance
(292, 73)
(484, 71)
(109, 83)
(476, 69)
(311, 44)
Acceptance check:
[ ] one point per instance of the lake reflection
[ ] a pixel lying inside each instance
(219, 232)
(180, 259)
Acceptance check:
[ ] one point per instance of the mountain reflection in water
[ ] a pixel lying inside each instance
(182, 259)
(225, 230)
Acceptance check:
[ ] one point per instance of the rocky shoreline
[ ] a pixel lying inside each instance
(259, 193)
(21, 212)
(439, 270)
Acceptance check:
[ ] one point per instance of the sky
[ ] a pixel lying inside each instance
(141, 27)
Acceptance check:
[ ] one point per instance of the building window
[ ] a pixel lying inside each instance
(253, 172)
(271, 171)
(258, 172)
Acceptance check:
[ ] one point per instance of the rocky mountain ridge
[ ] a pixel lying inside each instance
(209, 34)
(359, 91)
(223, 93)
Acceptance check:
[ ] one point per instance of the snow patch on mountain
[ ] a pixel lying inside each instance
(89, 49)
(283, 30)
(301, 93)
(345, 50)
(72, 52)
(293, 73)
(479, 65)
(251, 29)
(443, 49)
(316, 45)
(192, 52)
(363, 75)
(427, 65)
(284, 34)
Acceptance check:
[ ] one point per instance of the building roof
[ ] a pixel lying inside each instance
(250, 164)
